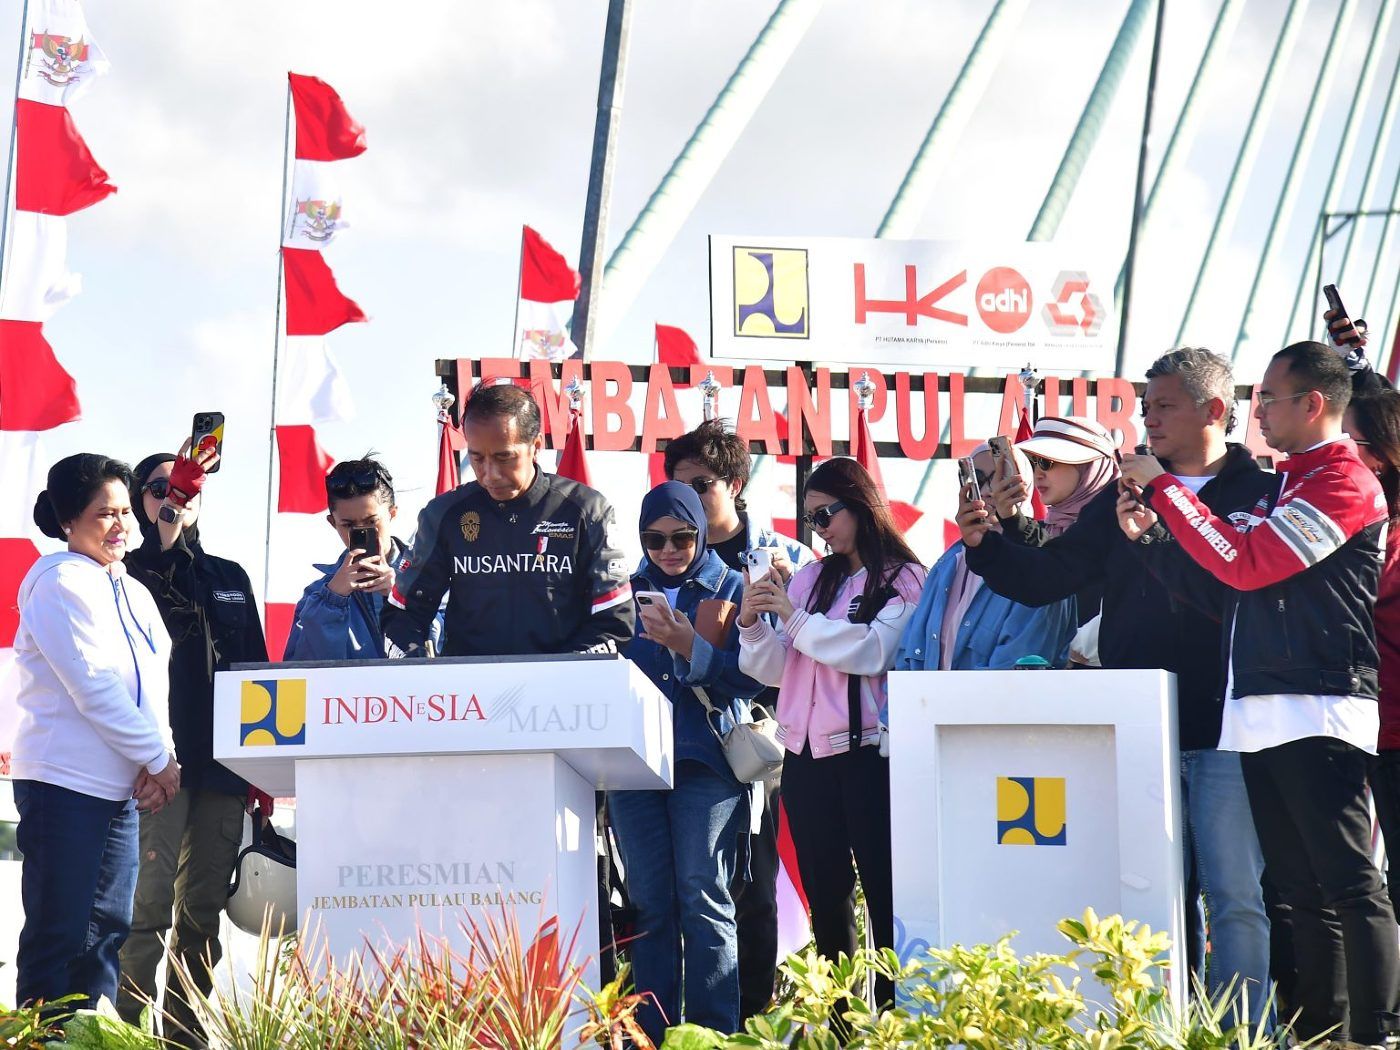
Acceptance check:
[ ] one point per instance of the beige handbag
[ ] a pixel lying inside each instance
(751, 748)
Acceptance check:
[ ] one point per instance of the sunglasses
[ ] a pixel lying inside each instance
(702, 485)
(356, 483)
(1040, 462)
(159, 488)
(681, 539)
(821, 517)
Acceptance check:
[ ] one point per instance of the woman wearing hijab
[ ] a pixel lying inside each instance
(680, 848)
(1072, 459)
(189, 848)
(961, 625)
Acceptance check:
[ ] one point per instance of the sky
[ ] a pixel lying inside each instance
(480, 119)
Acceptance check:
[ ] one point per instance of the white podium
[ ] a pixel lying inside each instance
(433, 790)
(1020, 798)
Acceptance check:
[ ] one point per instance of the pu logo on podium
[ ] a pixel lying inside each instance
(1030, 811)
(273, 713)
(770, 293)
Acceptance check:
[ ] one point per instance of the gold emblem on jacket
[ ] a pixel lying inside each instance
(471, 525)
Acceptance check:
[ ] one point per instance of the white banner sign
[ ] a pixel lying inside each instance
(931, 305)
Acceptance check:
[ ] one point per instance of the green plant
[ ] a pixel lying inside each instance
(990, 998)
(26, 1027)
(102, 1029)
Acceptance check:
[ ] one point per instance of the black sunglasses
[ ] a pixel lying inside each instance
(821, 517)
(357, 483)
(702, 485)
(159, 488)
(681, 539)
(1040, 462)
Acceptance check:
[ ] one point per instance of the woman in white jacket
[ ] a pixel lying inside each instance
(93, 742)
(841, 621)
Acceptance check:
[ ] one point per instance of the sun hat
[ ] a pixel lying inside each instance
(1068, 439)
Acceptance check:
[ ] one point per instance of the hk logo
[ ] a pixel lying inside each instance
(273, 713)
(1031, 811)
(770, 293)
(1074, 309)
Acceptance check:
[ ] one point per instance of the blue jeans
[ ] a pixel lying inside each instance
(679, 853)
(77, 883)
(1218, 832)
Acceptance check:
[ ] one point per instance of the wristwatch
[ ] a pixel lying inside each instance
(168, 514)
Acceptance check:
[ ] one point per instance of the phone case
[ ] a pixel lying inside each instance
(216, 430)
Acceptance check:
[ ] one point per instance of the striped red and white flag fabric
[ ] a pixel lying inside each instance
(310, 386)
(544, 301)
(54, 176)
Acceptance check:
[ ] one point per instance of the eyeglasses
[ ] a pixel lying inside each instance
(821, 517)
(1040, 463)
(681, 539)
(702, 485)
(158, 487)
(984, 480)
(358, 482)
(1268, 402)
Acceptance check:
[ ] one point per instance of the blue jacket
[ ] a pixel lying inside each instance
(717, 670)
(995, 633)
(327, 626)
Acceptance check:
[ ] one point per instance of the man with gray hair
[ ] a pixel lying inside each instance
(1188, 409)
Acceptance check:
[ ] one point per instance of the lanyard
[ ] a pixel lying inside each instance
(118, 596)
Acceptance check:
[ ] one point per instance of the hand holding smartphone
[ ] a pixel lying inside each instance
(207, 434)
(760, 561)
(967, 479)
(653, 600)
(366, 540)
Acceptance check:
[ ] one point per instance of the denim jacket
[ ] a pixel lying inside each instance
(994, 634)
(716, 670)
(329, 626)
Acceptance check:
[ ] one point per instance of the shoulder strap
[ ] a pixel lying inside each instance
(866, 611)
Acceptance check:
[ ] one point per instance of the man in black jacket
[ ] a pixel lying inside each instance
(530, 561)
(1188, 409)
(188, 848)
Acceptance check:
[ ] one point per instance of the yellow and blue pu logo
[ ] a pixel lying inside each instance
(1031, 811)
(771, 295)
(273, 713)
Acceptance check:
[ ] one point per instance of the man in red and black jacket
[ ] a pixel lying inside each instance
(1297, 584)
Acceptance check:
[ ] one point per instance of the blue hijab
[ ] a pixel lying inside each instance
(672, 499)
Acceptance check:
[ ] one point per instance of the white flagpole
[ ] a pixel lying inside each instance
(14, 139)
(276, 347)
(516, 350)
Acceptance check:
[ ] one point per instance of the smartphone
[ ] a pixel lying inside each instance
(1001, 452)
(208, 424)
(366, 540)
(1142, 450)
(760, 561)
(1334, 303)
(967, 477)
(652, 600)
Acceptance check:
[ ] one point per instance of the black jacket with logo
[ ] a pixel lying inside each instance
(541, 573)
(1143, 625)
(208, 609)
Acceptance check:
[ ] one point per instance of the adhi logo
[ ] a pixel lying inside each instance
(1004, 299)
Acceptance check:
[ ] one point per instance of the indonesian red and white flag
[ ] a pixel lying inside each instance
(315, 303)
(450, 442)
(36, 393)
(324, 127)
(310, 385)
(905, 514)
(1024, 430)
(315, 213)
(544, 306)
(675, 349)
(34, 290)
(55, 172)
(61, 59)
(302, 468)
(573, 463)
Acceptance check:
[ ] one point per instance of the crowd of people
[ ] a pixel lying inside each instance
(1272, 595)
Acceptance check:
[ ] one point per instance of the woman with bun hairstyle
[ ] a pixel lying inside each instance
(92, 744)
(840, 624)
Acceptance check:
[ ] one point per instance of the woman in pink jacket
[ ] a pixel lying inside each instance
(841, 623)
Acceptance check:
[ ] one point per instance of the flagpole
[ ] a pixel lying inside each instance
(276, 347)
(515, 349)
(14, 139)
